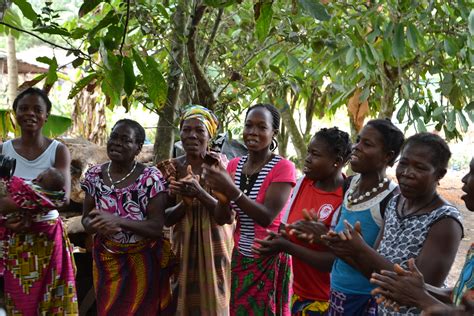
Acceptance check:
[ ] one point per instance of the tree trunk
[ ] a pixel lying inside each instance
(387, 106)
(164, 138)
(12, 68)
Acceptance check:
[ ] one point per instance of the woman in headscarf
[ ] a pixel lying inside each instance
(202, 246)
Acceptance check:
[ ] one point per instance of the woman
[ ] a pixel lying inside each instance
(419, 223)
(124, 207)
(202, 246)
(39, 269)
(260, 189)
(377, 147)
(319, 192)
(409, 288)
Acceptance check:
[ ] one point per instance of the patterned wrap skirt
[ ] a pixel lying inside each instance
(40, 271)
(133, 278)
(260, 286)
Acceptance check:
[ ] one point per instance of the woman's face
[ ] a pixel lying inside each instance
(122, 145)
(320, 160)
(368, 153)
(258, 130)
(31, 112)
(416, 174)
(194, 136)
(468, 187)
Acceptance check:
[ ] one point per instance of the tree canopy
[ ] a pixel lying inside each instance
(408, 58)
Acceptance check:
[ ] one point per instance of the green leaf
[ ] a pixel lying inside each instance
(315, 9)
(451, 121)
(130, 80)
(44, 60)
(77, 62)
(401, 112)
(275, 69)
(451, 47)
(78, 33)
(52, 30)
(153, 79)
(264, 19)
(110, 18)
(350, 55)
(398, 48)
(412, 35)
(420, 126)
(26, 9)
(52, 75)
(56, 125)
(88, 6)
(219, 3)
(462, 121)
(471, 22)
(81, 84)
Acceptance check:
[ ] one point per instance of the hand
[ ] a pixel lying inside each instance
(270, 245)
(309, 229)
(346, 243)
(401, 286)
(104, 223)
(19, 223)
(188, 187)
(219, 180)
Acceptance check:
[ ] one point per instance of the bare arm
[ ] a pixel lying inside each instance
(321, 260)
(63, 164)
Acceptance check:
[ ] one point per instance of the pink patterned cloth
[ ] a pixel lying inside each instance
(129, 202)
(39, 271)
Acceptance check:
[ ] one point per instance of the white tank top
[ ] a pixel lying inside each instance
(30, 169)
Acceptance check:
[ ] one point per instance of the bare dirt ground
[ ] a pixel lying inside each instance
(450, 189)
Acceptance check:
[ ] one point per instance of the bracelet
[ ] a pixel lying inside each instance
(238, 197)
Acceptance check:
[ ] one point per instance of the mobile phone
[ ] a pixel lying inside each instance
(210, 160)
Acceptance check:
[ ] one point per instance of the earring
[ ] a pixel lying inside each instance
(335, 165)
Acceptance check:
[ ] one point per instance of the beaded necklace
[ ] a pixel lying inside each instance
(352, 200)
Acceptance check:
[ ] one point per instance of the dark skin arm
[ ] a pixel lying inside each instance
(263, 214)
(434, 260)
(151, 227)
(320, 260)
(63, 164)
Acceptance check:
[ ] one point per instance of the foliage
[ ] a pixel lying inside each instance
(411, 58)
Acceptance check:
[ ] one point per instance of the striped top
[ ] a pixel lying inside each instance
(277, 169)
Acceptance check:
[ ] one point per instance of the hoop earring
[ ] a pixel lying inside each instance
(273, 145)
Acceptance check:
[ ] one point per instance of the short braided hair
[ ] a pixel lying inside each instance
(339, 141)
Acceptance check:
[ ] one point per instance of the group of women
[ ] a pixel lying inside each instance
(246, 237)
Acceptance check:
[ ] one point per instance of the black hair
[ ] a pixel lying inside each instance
(393, 137)
(339, 141)
(139, 130)
(438, 147)
(273, 111)
(56, 180)
(33, 91)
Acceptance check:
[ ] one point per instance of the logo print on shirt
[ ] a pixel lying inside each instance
(325, 211)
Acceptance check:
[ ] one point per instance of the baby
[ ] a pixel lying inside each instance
(39, 195)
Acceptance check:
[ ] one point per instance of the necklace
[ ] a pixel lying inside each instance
(402, 209)
(248, 175)
(112, 182)
(352, 200)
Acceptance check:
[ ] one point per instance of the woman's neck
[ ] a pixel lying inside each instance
(195, 160)
(370, 180)
(419, 203)
(32, 139)
(121, 167)
(330, 184)
(259, 157)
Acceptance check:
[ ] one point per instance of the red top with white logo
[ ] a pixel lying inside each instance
(310, 283)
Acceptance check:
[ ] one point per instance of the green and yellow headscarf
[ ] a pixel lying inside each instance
(202, 114)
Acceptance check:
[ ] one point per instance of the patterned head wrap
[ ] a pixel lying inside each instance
(202, 114)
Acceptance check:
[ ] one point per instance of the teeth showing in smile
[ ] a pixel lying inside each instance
(251, 142)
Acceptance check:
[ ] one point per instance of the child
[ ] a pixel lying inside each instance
(42, 194)
(320, 190)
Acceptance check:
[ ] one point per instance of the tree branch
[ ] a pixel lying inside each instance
(125, 27)
(213, 36)
(205, 94)
(73, 50)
